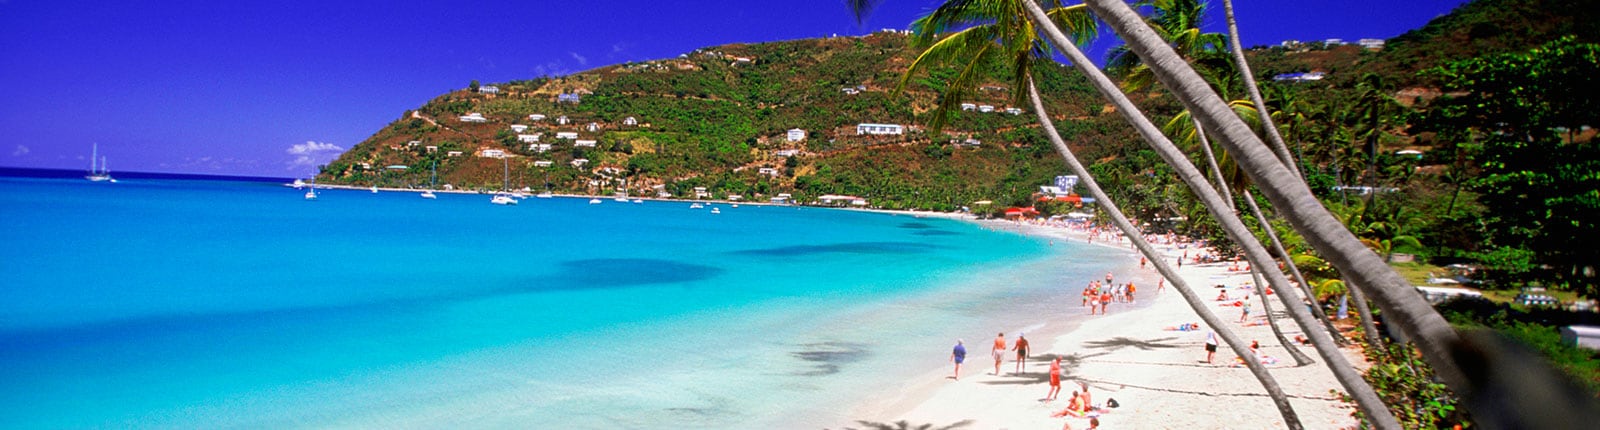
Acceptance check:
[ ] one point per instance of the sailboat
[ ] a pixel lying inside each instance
(428, 193)
(311, 194)
(546, 193)
(98, 173)
(504, 198)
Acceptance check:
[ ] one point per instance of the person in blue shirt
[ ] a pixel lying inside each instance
(958, 355)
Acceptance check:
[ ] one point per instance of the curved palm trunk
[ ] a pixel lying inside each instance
(1405, 309)
(1255, 92)
(1274, 391)
(1352, 382)
(1369, 326)
(1211, 161)
(1277, 246)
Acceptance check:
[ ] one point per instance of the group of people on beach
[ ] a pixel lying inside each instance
(958, 354)
(1098, 296)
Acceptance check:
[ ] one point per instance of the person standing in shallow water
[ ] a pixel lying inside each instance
(1022, 352)
(958, 355)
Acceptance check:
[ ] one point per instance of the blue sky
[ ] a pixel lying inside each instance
(270, 88)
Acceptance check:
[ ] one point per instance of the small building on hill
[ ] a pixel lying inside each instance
(630, 121)
(795, 135)
(536, 117)
(880, 129)
(573, 98)
(582, 143)
(488, 89)
(528, 138)
(518, 128)
(568, 135)
(474, 117)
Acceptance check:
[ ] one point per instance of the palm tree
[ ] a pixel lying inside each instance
(1357, 387)
(1439, 343)
(1022, 32)
(1253, 91)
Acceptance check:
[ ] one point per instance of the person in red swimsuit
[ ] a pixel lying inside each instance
(1055, 379)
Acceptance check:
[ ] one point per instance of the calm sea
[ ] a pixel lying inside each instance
(162, 303)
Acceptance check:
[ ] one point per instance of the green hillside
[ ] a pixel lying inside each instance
(717, 118)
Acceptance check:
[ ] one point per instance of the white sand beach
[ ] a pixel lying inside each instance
(1158, 377)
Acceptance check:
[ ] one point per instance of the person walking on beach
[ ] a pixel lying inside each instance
(958, 355)
(1244, 314)
(1211, 345)
(1105, 302)
(1130, 292)
(1055, 379)
(999, 351)
(1108, 279)
(1022, 352)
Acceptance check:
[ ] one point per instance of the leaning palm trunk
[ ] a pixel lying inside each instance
(1211, 162)
(1277, 246)
(1369, 326)
(1238, 345)
(1404, 308)
(1255, 92)
(1365, 397)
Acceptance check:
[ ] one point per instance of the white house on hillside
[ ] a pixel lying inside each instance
(542, 163)
(593, 126)
(539, 147)
(492, 153)
(630, 121)
(527, 138)
(519, 128)
(795, 135)
(568, 135)
(536, 117)
(474, 117)
(985, 108)
(1014, 111)
(865, 128)
(488, 89)
(968, 106)
(562, 120)
(583, 143)
(1370, 43)
(769, 171)
(579, 162)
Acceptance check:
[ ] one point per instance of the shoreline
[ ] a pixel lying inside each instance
(1159, 377)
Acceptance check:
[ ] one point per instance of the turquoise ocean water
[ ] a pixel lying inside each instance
(207, 304)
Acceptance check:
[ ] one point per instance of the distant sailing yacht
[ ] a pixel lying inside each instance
(428, 193)
(503, 197)
(311, 194)
(98, 173)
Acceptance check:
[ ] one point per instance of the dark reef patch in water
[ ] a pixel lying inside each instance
(600, 273)
(842, 248)
(825, 358)
(936, 233)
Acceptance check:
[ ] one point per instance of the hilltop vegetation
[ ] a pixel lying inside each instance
(717, 117)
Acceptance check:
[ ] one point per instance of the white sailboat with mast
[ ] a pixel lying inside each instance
(503, 197)
(98, 173)
(432, 177)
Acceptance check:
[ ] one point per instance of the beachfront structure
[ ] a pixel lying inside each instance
(542, 163)
(1370, 43)
(795, 135)
(536, 117)
(700, 193)
(539, 147)
(519, 128)
(630, 121)
(573, 98)
(880, 129)
(488, 89)
(491, 153)
(968, 106)
(528, 138)
(583, 143)
(985, 108)
(568, 135)
(579, 162)
(835, 199)
(474, 117)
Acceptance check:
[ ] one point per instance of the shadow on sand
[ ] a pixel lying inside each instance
(902, 425)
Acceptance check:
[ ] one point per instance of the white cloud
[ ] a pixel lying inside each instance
(311, 147)
(20, 151)
(581, 60)
(307, 153)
